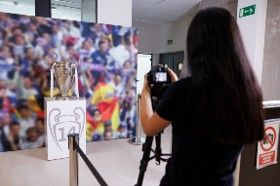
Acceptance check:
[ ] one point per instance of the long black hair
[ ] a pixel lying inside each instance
(228, 94)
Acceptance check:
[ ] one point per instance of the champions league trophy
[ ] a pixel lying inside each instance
(64, 73)
(65, 114)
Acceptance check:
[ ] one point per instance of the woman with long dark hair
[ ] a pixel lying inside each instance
(215, 111)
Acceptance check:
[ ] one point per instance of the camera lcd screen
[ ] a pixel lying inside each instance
(161, 76)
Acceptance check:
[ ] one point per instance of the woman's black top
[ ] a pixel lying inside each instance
(197, 160)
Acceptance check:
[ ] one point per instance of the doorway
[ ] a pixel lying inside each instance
(173, 60)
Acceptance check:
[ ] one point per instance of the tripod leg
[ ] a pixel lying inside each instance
(147, 146)
(158, 150)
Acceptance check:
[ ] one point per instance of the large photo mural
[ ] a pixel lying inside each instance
(107, 77)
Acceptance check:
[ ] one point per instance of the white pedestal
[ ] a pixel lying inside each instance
(64, 117)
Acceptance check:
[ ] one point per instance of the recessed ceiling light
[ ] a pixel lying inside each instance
(160, 1)
(16, 3)
(67, 1)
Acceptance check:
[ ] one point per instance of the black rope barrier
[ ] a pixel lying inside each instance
(93, 170)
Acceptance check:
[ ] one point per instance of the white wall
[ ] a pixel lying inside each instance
(253, 31)
(177, 31)
(117, 12)
(153, 36)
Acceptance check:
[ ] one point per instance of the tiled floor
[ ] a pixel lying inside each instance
(117, 161)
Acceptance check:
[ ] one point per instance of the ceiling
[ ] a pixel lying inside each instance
(25, 7)
(62, 3)
(144, 11)
(160, 11)
(66, 9)
(75, 4)
(18, 2)
(62, 9)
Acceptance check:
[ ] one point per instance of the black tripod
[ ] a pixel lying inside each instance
(147, 149)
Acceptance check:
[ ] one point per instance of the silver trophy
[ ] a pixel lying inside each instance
(64, 72)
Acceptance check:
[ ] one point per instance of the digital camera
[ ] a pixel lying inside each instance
(159, 81)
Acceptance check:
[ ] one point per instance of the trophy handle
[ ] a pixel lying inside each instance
(52, 80)
(76, 82)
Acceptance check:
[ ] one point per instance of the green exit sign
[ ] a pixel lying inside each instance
(247, 11)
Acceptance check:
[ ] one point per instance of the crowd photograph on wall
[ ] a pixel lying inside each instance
(107, 77)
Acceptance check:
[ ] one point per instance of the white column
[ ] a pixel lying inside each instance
(143, 67)
(252, 28)
(116, 12)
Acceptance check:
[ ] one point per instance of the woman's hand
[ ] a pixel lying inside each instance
(151, 122)
(146, 87)
(173, 75)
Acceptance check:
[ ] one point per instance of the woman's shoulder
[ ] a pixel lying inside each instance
(181, 88)
(183, 83)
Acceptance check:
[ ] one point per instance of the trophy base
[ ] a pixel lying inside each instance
(63, 98)
(66, 98)
(64, 116)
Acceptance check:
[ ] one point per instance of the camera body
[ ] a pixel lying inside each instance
(159, 81)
